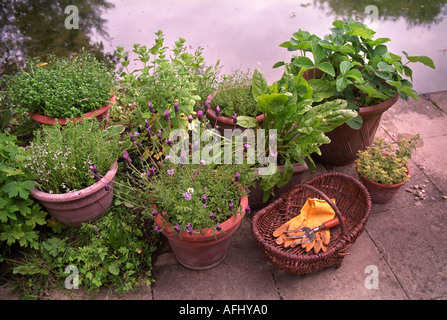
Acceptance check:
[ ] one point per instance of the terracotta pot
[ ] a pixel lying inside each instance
(83, 206)
(205, 250)
(346, 142)
(382, 193)
(227, 123)
(101, 114)
(256, 194)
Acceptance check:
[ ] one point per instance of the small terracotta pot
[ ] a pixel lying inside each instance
(382, 193)
(256, 194)
(83, 206)
(101, 114)
(207, 249)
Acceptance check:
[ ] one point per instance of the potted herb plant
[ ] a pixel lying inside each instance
(383, 168)
(74, 167)
(350, 64)
(63, 88)
(298, 126)
(233, 100)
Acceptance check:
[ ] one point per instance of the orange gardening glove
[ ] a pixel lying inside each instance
(319, 212)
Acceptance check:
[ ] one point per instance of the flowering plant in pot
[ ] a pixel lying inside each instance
(383, 168)
(67, 164)
(298, 126)
(350, 64)
(233, 99)
(62, 88)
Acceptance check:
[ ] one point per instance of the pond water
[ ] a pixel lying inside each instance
(242, 34)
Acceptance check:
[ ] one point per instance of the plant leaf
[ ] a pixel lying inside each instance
(259, 84)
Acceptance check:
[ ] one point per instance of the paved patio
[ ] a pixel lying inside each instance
(403, 243)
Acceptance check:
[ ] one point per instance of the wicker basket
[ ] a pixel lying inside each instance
(352, 201)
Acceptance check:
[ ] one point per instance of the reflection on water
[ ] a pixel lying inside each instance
(242, 34)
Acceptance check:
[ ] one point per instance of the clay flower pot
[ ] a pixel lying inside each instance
(204, 250)
(382, 193)
(227, 123)
(83, 206)
(101, 114)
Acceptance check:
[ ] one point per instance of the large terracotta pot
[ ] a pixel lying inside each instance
(256, 194)
(207, 249)
(381, 193)
(101, 114)
(346, 142)
(83, 206)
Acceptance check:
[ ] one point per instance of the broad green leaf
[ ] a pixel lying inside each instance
(355, 74)
(321, 89)
(361, 32)
(259, 84)
(423, 59)
(318, 52)
(272, 103)
(327, 68)
(286, 175)
(341, 83)
(345, 66)
(380, 50)
(247, 122)
(303, 62)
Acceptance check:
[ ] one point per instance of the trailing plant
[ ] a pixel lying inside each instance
(62, 87)
(233, 95)
(60, 157)
(300, 125)
(384, 162)
(19, 214)
(350, 64)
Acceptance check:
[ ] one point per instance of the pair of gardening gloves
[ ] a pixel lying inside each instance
(313, 214)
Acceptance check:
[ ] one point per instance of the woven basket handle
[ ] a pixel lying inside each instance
(328, 200)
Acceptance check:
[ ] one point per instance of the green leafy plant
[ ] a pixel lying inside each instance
(62, 87)
(300, 126)
(162, 80)
(384, 162)
(19, 214)
(350, 64)
(233, 95)
(60, 157)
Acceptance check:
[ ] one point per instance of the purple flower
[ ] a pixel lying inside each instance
(212, 217)
(246, 146)
(106, 186)
(176, 106)
(154, 212)
(169, 142)
(127, 157)
(159, 134)
(153, 171)
(238, 177)
(189, 118)
(217, 111)
(170, 172)
(187, 196)
(167, 117)
(200, 115)
(231, 206)
(235, 118)
(247, 209)
(157, 229)
(151, 108)
(189, 228)
(218, 227)
(177, 228)
(93, 168)
(204, 199)
(164, 213)
(206, 106)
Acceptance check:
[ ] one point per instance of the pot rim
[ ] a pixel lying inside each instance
(387, 186)
(50, 120)
(62, 197)
(205, 234)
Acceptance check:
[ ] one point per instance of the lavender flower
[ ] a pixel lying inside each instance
(212, 217)
(176, 106)
(170, 172)
(247, 209)
(200, 115)
(189, 118)
(235, 118)
(127, 157)
(169, 142)
(157, 229)
(106, 186)
(204, 199)
(189, 228)
(187, 196)
(159, 134)
(167, 117)
(218, 227)
(246, 146)
(151, 108)
(154, 212)
(238, 177)
(177, 228)
(217, 111)
(231, 206)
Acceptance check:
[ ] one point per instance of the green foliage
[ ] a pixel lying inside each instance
(61, 87)
(234, 95)
(163, 79)
(353, 65)
(59, 158)
(288, 108)
(384, 163)
(19, 214)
